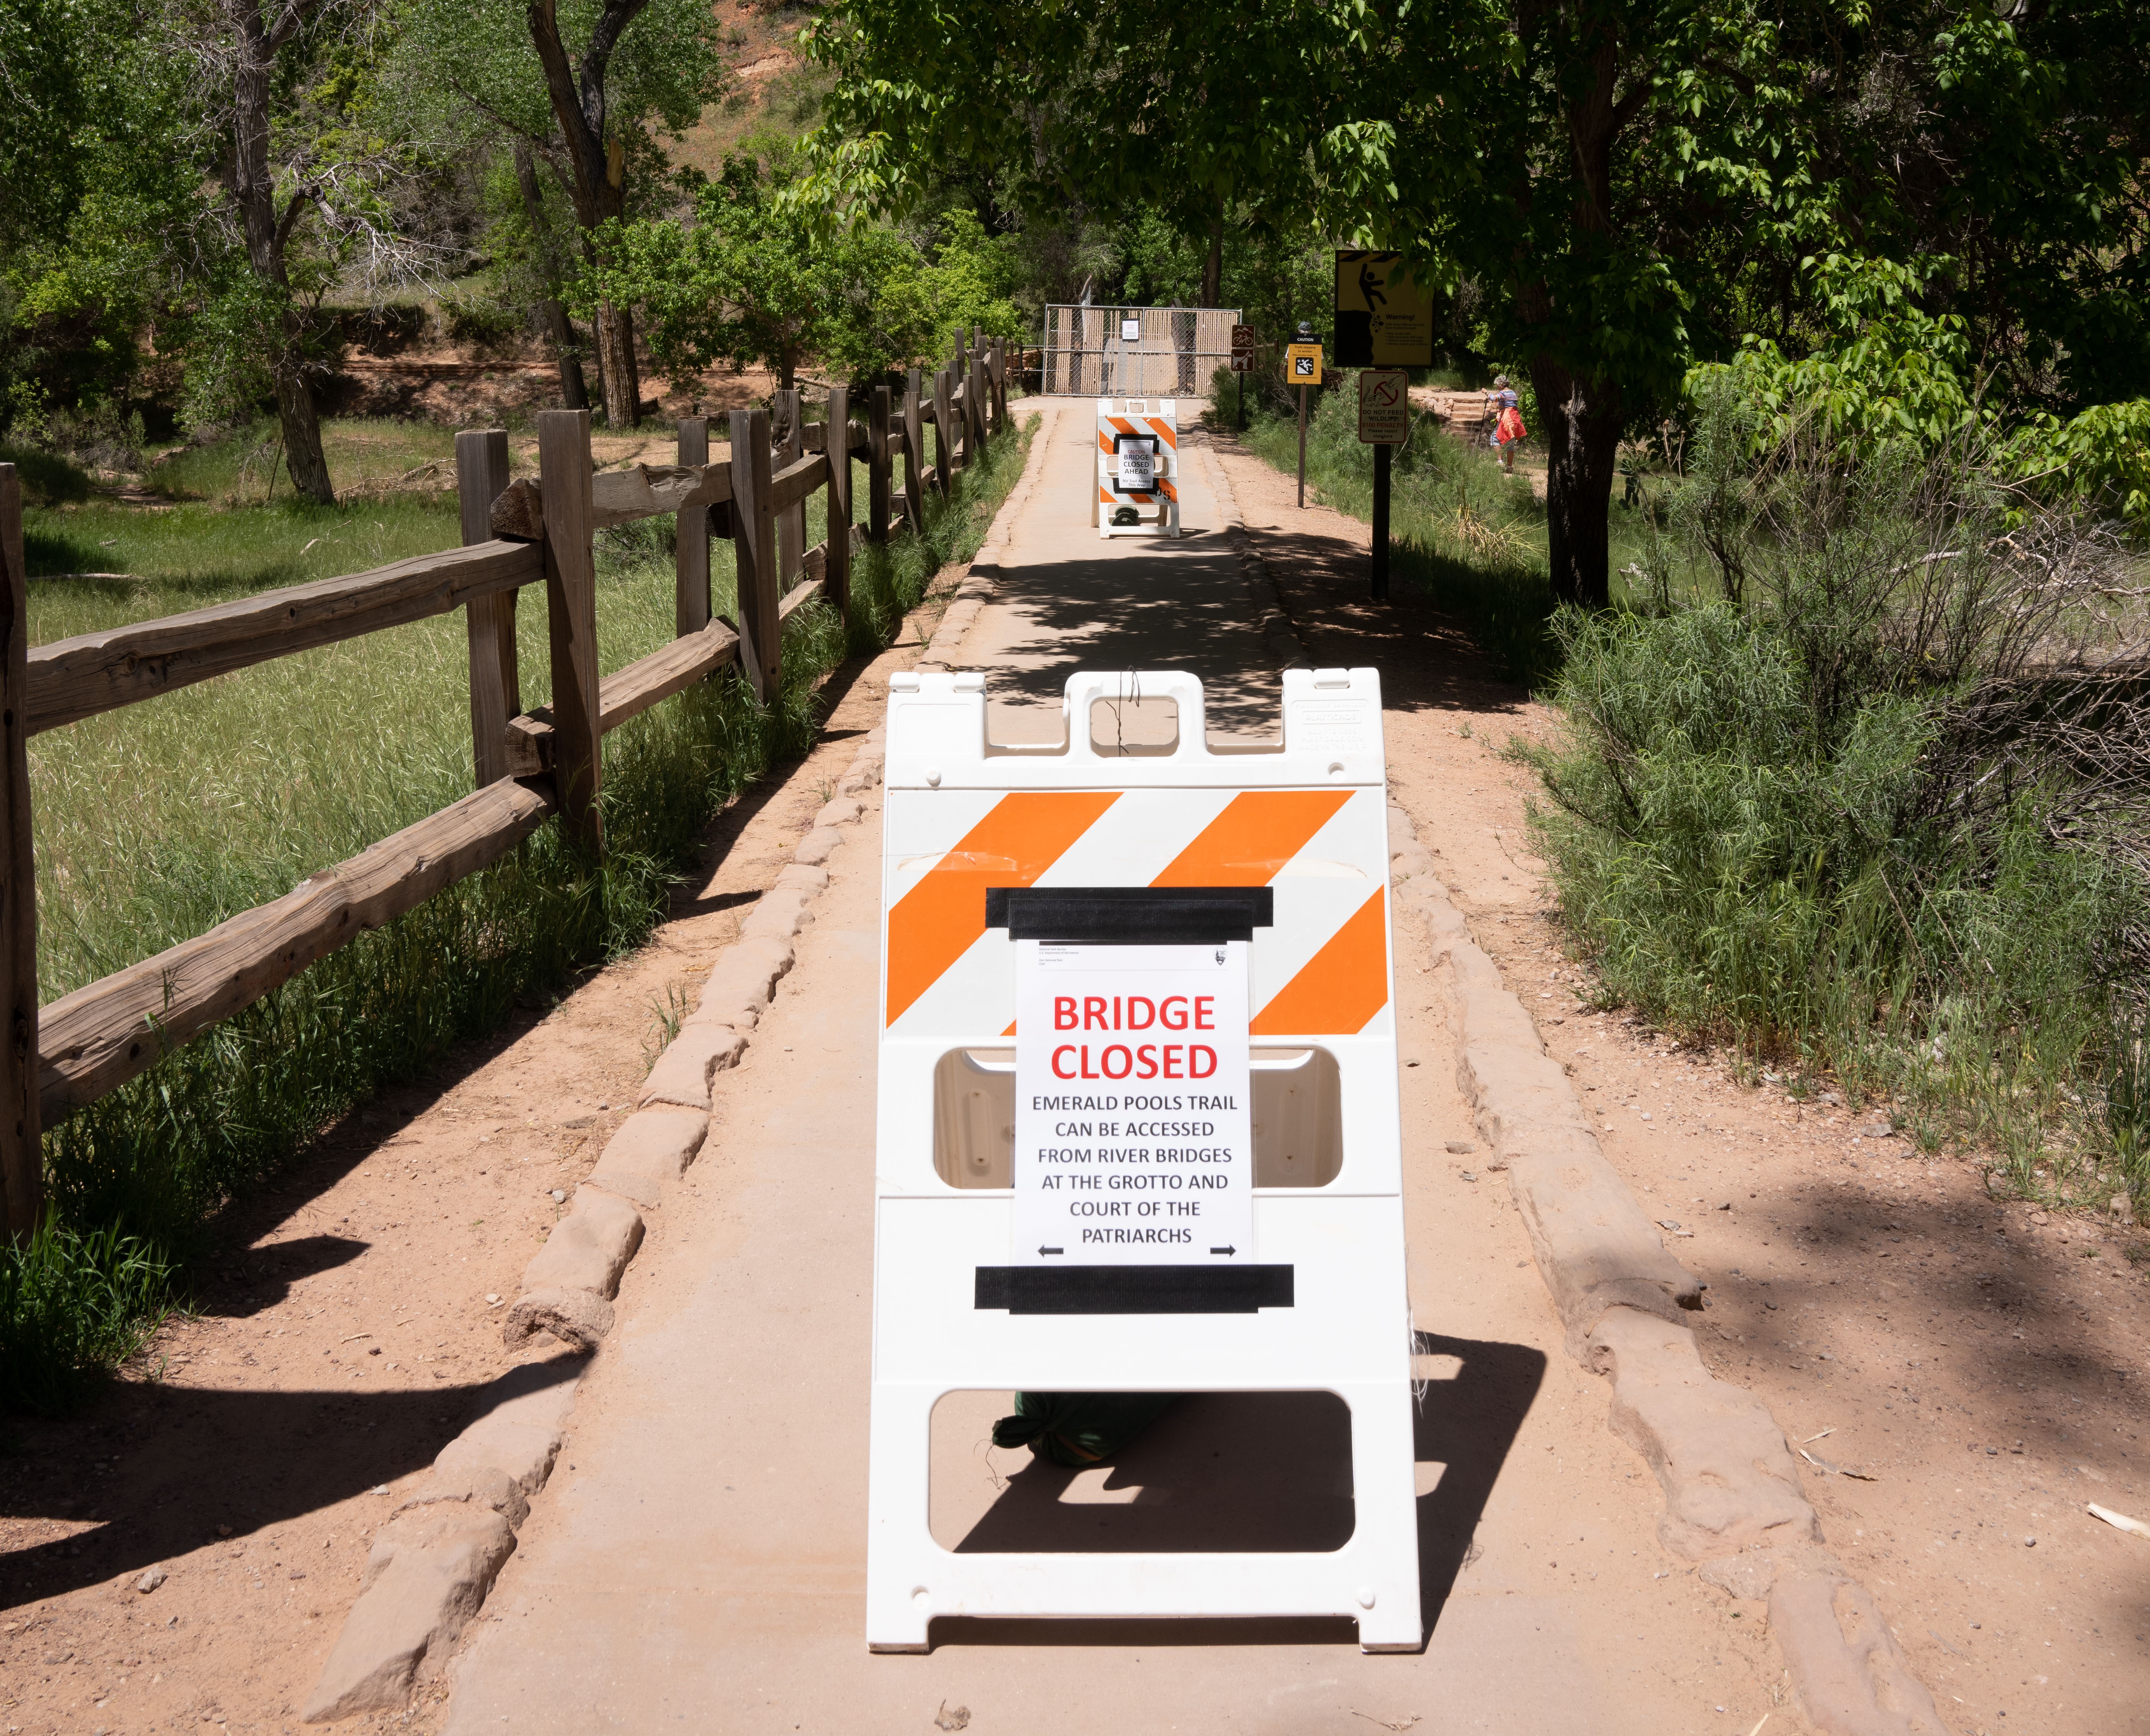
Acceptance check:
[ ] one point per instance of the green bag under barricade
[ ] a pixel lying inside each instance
(1077, 1429)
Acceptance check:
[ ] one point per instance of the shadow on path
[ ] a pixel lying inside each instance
(1240, 1473)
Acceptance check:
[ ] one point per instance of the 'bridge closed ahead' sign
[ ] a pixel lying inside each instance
(1133, 1141)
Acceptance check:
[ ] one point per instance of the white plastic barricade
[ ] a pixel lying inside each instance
(1137, 467)
(1138, 1125)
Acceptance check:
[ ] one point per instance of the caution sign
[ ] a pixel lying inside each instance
(1138, 463)
(1302, 364)
(1384, 316)
(1384, 406)
(1133, 1140)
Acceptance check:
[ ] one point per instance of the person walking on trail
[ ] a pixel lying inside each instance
(1508, 426)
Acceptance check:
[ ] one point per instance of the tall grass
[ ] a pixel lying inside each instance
(156, 822)
(1872, 810)
(1463, 536)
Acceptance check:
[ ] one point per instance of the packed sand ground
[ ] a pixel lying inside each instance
(1983, 1363)
(1987, 1363)
(342, 1337)
(700, 1558)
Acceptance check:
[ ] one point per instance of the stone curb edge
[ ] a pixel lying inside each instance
(1272, 620)
(433, 1564)
(983, 578)
(1732, 1502)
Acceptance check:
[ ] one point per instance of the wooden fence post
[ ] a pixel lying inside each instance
(495, 682)
(914, 449)
(21, 1147)
(837, 588)
(690, 556)
(977, 400)
(1000, 384)
(956, 379)
(754, 540)
(571, 606)
(945, 441)
(788, 430)
(877, 465)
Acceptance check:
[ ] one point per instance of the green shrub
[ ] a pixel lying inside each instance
(1884, 820)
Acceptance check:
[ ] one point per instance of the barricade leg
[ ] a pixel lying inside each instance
(1386, 1499)
(899, 1547)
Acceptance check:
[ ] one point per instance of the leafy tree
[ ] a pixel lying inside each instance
(279, 96)
(1629, 186)
(1118, 110)
(763, 277)
(99, 197)
(587, 89)
(757, 279)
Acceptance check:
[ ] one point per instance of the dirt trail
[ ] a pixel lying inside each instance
(1986, 1365)
(345, 1331)
(701, 1554)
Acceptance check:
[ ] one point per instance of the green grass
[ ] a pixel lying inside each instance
(72, 1305)
(157, 821)
(365, 455)
(1463, 536)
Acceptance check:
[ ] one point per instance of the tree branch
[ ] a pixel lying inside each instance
(284, 225)
(296, 14)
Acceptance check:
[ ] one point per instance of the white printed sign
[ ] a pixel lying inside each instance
(1138, 465)
(1133, 1140)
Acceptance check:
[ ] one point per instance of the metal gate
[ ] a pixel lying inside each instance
(1144, 352)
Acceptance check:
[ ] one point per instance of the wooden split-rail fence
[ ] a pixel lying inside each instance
(529, 765)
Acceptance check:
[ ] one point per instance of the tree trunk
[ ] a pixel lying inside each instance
(599, 164)
(1213, 266)
(623, 384)
(574, 395)
(303, 456)
(253, 187)
(1581, 420)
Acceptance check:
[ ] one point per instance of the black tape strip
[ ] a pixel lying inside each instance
(1134, 1289)
(1130, 916)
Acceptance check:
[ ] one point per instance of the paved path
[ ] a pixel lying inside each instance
(698, 1561)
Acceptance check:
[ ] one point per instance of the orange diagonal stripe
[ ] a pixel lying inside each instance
(1104, 441)
(934, 923)
(1339, 988)
(1250, 841)
(1164, 427)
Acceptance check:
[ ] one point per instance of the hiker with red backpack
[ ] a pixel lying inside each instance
(1508, 425)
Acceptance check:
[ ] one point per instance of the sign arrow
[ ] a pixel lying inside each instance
(1224, 1250)
(1063, 1250)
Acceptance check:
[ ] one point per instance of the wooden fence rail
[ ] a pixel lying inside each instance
(529, 765)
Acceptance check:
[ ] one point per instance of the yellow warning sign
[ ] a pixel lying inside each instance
(1302, 364)
(1384, 316)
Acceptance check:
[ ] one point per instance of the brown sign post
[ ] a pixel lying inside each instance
(1243, 364)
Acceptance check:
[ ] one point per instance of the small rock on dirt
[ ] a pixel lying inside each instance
(1462, 1148)
(150, 1580)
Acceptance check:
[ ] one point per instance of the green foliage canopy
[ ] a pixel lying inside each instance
(762, 276)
